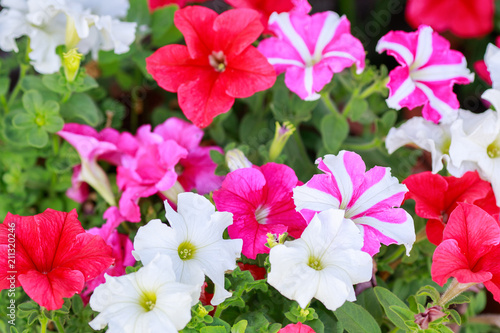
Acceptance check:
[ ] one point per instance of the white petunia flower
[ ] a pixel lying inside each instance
(323, 263)
(492, 61)
(90, 25)
(149, 300)
(194, 243)
(476, 139)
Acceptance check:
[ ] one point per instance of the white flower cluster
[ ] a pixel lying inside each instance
(158, 297)
(470, 142)
(90, 25)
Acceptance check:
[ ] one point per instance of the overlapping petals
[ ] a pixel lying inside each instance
(310, 49)
(369, 198)
(428, 71)
(261, 202)
(54, 256)
(218, 64)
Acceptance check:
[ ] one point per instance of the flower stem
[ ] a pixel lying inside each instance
(421, 235)
(218, 311)
(325, 97)
(23, 68)
(455, 289)
(3, 101)
(369, 91)
(43, 323)
(60, 327)
(374, 143)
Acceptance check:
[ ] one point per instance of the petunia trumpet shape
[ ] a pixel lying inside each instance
(464, 18)
(437, 196)
(149, 300)
(217, 65)
(54, 256)
(428, 71)
(323, 263)
(369, 198)
(194, 243)
(470, 249)
(261, 202)
(310, 49)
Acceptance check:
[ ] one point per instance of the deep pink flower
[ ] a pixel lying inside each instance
(54, 256)
(464, 18)
(197, 170)
(266, 7)
(155, 4)
(310, 49)
(261, 202)
(296, 328)
(217, 65)
(470, 249)
(428, 71)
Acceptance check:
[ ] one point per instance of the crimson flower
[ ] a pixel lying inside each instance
(470, 250)
(464, 18)
(437, 196)
(54, 256)
(217, 65)
(155, 4)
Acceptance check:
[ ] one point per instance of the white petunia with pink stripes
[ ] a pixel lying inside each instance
(428, 71)
(369, 198)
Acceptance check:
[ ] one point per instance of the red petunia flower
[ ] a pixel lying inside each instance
(464, 18)
(296, 328)
(217, 65)
(54, 256)
(437, 196)
(155, 4)
(470, 250)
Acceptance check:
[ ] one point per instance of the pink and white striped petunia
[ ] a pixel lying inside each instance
(370, 199)
(428, 71)
(310, 49)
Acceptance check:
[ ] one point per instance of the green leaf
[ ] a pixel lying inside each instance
(334, 130)
(355, 108)
(31, 82)
(83, 83)
(37, 137)
(403, 313)
(239, 327)
(213, 329)
(4, 85)
(355, 319)
(460, 299)
(56, 83)
(162, 22)
(139, 12)
(429, 291)
(388, 299)
(24, 120)
(32, 100)
(455, 316)
(445, 329)
(82, 109)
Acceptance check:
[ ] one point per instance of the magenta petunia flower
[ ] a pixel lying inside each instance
(428, 71)
(310, 49)
(261, 202)
(370, 199)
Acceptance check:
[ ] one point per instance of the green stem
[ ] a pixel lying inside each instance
(300, 145)
(55, 143)
(60, 327)
(369, 91)
(374, 143)
(421, 235)
(3, 101)
(43, 323)
(325, 97)
(65, 98)
(395, 256)
(23, 68)
(218, 311)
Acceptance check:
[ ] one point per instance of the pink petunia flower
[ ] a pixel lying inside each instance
(261, 202)
(470, 250)
(310, 49)
(428, 71)
(464, 18)
(54, 256)
(296, 328)
(266, 8)
(156, 4)
(369, 198)
(218, 64)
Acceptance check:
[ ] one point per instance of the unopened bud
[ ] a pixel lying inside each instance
(71, 64)
(235, 159)
(280, 138)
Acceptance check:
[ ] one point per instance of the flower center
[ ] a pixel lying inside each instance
(261, 214)
(218, 61)
(315, 263)
(148, 300)
(493, 150)
(186, 250)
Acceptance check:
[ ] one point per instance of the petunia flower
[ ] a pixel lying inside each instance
(323, 263)
(156, 4)
(296, 328)
(194, 243)
(310, 49)
(266, 8)
(470, 250)
(217, 65)
(476, 140)
(149, 300)
(428, 71)
(93, 25)
(54, 256)
(490, 65)
(464, 18)
(369, 198)
(260, 200)
(437, 196)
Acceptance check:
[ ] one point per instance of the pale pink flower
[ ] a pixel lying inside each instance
(310, 49)
(369, 198)
(261, 202)
(428, 71)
